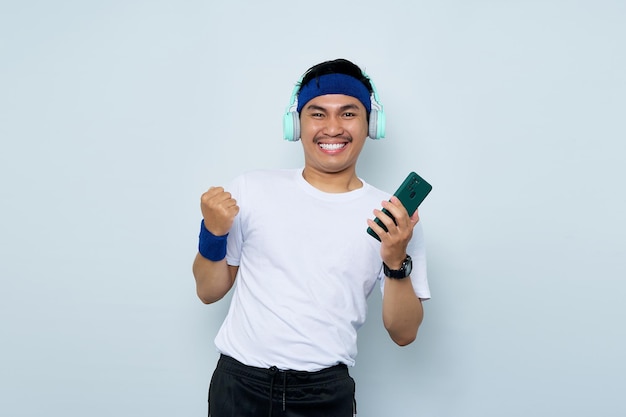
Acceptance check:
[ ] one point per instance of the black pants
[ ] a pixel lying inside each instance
(238, 390)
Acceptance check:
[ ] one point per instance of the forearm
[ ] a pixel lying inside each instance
(213, 279)
(402, 310)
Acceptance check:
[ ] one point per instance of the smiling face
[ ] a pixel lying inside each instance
(333, 132)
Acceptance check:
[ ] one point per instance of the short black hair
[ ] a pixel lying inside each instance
(336, 66)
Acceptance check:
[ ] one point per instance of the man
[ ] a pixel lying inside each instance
(295, 243)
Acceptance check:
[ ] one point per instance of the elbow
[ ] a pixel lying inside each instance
(403, 339)
(402, 332)
(208, 298)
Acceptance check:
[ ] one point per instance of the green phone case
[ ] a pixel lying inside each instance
(411, 193)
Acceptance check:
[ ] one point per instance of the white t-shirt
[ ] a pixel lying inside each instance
(306, 268)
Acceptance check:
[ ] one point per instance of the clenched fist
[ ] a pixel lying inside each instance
(219, 209)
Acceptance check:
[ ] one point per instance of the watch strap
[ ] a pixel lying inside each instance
(403, 272)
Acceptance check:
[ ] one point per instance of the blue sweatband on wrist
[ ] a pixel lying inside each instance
(210, 246)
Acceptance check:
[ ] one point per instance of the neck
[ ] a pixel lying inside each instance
(336, 182)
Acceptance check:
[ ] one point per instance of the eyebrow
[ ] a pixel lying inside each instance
(324, 109)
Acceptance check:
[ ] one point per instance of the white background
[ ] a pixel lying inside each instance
(116, 115)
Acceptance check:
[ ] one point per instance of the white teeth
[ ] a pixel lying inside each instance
(332, 146)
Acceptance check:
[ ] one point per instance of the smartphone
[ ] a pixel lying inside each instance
(411, 193)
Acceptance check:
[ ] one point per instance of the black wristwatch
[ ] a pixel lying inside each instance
(403, 272)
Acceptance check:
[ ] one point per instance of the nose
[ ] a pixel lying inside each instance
(334, 126)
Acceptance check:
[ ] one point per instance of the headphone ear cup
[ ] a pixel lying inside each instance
(291, 126)
(381, 125)
(377, 124)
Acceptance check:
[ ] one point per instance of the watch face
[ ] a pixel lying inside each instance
(408, 267)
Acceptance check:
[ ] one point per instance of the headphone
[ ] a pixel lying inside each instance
(291, 118)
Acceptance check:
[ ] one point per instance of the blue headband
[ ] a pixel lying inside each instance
(334, 84)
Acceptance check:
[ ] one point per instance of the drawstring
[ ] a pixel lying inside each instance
(273, 371)
(284, 388)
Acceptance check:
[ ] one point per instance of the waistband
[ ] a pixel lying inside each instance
(231, 365)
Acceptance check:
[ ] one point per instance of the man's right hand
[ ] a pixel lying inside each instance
(219, 209)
